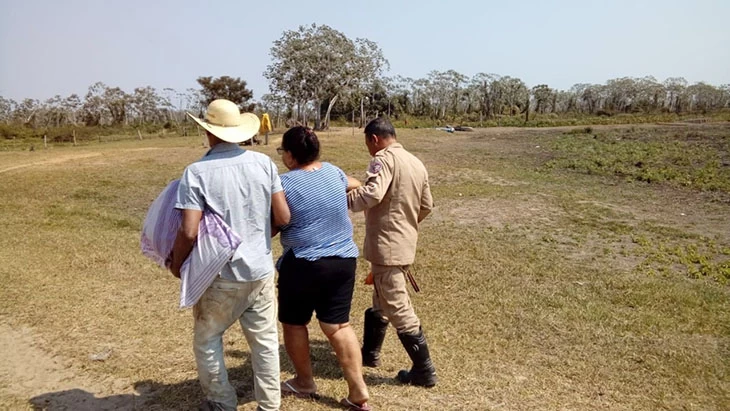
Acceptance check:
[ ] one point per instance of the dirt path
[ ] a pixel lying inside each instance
(28, 373)
(71, 157)
(55, 160)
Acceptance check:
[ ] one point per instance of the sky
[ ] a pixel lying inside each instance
(50, 47)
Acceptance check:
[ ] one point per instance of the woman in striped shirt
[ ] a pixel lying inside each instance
(317, 267)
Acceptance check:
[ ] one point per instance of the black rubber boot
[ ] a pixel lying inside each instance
(423, 372)
(373, 336)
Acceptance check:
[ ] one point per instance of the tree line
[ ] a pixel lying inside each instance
(317, 74)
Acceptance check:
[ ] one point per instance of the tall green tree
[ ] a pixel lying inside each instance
(117, 102)
(7, 107)
(147, 106)
(229, 88)
(26, 110)
(543, 95)
(483, 91)
(676, 93)
(317, 65)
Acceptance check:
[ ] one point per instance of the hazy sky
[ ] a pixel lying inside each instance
(50, 47)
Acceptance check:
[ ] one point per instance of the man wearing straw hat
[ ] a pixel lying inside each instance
(243, 188)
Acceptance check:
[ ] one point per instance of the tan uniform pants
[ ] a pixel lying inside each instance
(391, 300)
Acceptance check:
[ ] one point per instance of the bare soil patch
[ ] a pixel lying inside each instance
(496, 213)
(52, 382)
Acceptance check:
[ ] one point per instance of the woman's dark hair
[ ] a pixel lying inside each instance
(302, 143)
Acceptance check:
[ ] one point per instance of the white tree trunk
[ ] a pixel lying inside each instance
(362, 111)
(326, 124)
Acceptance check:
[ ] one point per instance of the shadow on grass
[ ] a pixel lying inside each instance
(187, 395)
(149, 394)
(78, 399)
(326, 366)
(324, 361)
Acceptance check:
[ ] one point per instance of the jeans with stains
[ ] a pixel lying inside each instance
(253, 304)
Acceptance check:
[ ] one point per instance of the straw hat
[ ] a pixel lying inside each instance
(225, 121)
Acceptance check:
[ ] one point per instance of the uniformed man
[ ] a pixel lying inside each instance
(395, 197)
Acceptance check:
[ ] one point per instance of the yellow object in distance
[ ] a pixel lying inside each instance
(265, 124)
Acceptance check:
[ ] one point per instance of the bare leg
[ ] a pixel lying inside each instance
(296, 341)
(344, 341)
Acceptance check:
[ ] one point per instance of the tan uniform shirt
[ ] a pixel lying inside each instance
(395, 198)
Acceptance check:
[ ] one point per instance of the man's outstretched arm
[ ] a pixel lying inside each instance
(379, 177)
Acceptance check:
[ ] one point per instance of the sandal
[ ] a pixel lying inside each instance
(354, 407)
(288, 389)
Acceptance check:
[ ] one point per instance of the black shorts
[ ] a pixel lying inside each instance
(323, 286)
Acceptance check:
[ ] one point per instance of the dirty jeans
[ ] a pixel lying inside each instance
(253, 304)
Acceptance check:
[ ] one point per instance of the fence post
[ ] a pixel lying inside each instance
(139, 134)
(73, 132)
(45, 141)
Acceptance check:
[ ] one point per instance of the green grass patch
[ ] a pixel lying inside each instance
(697, 160)
(697, 256)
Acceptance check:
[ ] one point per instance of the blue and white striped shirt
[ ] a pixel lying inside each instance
(319, 226)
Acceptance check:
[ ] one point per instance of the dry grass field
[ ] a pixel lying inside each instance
(563, 269)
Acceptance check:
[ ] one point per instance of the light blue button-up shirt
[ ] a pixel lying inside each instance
(237, 185)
